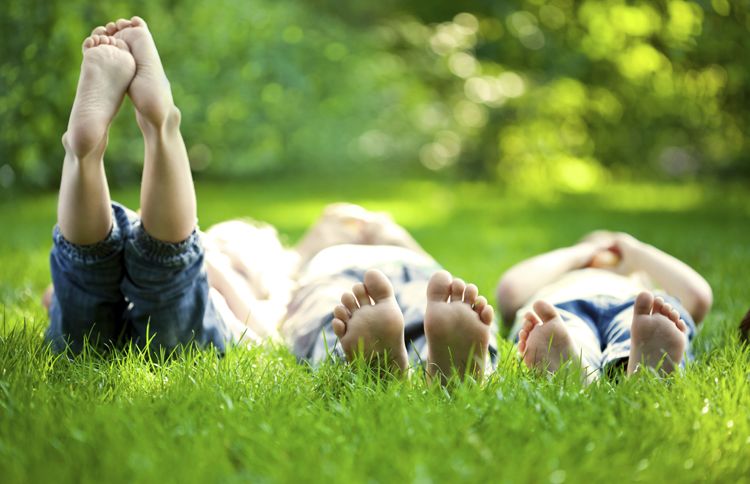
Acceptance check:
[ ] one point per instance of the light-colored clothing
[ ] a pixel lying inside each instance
(307, 328)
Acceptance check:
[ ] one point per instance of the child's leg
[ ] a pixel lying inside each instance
(86, 260)
(168, 206)
(84, 209)
(165, 278)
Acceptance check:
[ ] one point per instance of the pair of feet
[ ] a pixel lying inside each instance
(657, 337)
(118, 58)
(457, 322)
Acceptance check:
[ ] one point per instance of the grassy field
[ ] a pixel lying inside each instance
(257, 415)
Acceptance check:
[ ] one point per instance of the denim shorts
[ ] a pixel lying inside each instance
(600, 326)
(131, 287)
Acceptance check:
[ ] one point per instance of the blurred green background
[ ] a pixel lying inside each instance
(516, 92)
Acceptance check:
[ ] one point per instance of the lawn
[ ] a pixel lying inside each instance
(257, 415)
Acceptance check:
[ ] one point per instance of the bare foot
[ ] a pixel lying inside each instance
(457, 325)
(374, 330)
(149, 91)
(544, 341)
(657, 335)
(106, 71)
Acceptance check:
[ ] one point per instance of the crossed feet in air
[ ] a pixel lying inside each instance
(657, 337)
(457, 322)
(118, 58)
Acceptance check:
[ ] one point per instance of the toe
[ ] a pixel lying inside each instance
(341, 313)
(545, 311)
(666, 310)
(378, 286)
(470, 294)
(99, 31)
(522, 337)
(360, 292)
(479, 304)
(349, 302)
(458, 286)
(681, 325)
(439, 287)
(122, 24)
(111, 28)
(530, 320)
(643, 303)
(339, 328)
(674, 315)
(88, 43)
(658, 304)
(487, 314)
(138, 22)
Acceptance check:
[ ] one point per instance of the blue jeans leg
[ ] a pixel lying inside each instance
(166, 287)
(87, 279)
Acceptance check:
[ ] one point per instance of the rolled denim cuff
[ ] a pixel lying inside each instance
(165, 254)
(90, 253)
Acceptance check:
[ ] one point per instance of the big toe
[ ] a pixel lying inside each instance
(378, 285)
(138, 22)
(643, 303)
(545, 310)
(439, 287)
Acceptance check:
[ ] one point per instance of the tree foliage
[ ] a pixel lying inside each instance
(520, 91)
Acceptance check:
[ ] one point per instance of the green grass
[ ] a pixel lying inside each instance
(257, 415)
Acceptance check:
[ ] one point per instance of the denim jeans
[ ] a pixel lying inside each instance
(131, 287)
(600, 326)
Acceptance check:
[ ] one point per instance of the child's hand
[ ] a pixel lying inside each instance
(604, 238)
(626, 248)
(615, 251)
(605, 259)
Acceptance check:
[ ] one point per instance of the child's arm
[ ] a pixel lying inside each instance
(668, 272)
(523, 280)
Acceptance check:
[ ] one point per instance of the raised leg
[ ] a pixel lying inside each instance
(84, 207)
(86, 260)
(168, 204)
(165, 280)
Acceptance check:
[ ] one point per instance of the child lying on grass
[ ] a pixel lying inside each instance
(593, 304)
(122, 277)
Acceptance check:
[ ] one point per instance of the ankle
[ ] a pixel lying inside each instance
(161, 125)
(84, 147)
